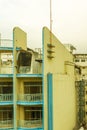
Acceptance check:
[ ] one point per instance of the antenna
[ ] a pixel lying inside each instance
(50, 46)
(0, 39)
(50, 21)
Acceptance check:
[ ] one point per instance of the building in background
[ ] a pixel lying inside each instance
(37, 88)
(80, 65)
(70, 47)
(80, 61)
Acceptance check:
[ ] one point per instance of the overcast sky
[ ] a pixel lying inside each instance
(69, 20)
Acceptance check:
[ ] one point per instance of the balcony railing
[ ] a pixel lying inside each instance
(6, 123)
(29, 69)
(24, 69)
(30, 97)
(6, 97)
(6, 43)
(30, 123)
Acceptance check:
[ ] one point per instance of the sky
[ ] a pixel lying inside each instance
(69, 20)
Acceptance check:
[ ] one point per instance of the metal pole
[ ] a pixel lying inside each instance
(0, 53)
(50, 21)
(0, 39)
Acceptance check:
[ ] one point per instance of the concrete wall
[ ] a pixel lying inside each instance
(62, 69)
(20, 38)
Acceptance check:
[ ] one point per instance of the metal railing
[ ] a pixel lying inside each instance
(25, 69)
(6, 43)
(6, 123)
(30, 123)
(30, 97)
(30, 69)
(6, 97)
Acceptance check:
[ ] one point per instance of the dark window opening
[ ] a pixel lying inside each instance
(33, 113)
(86, 102)
(6, 113)
(76, 60)
(24, 59)
(82, 60)
(6, 88)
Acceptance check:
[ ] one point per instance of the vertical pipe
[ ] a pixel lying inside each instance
(43, 78)
(50, 101)
(14, 84)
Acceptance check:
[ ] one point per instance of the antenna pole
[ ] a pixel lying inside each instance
(50, 21)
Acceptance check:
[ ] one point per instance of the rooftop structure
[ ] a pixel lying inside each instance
(81, 61)
(70, 47)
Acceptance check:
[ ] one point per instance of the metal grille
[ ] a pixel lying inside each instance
(80, 92)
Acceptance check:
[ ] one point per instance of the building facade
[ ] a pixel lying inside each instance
(37, 90)
(81, 63)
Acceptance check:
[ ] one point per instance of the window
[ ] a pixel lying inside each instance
(32, 87)
(86, 102)
(76, 60)
(6, 113)
(82, 60)
(33, 113)
(6, 87)
(86, 92)
(83, 67)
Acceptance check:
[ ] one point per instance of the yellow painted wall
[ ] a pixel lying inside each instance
(64, 109)
(64, 105)
(6, 80)
(20, 38)
(61, 54)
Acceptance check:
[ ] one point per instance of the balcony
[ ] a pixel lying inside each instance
(24, 69)
(30, 99)
(30, 123)
(6, 124)
(6, 99)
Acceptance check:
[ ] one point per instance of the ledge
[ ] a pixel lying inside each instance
(24, 103)
(6, 75)
(6, 128)
(6, 49)
(30, 128)
(6, 103)
(28, 75)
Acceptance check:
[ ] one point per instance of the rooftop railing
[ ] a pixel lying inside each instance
(6, 43)
(6, 97)
(30, 123)
(30, 97)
